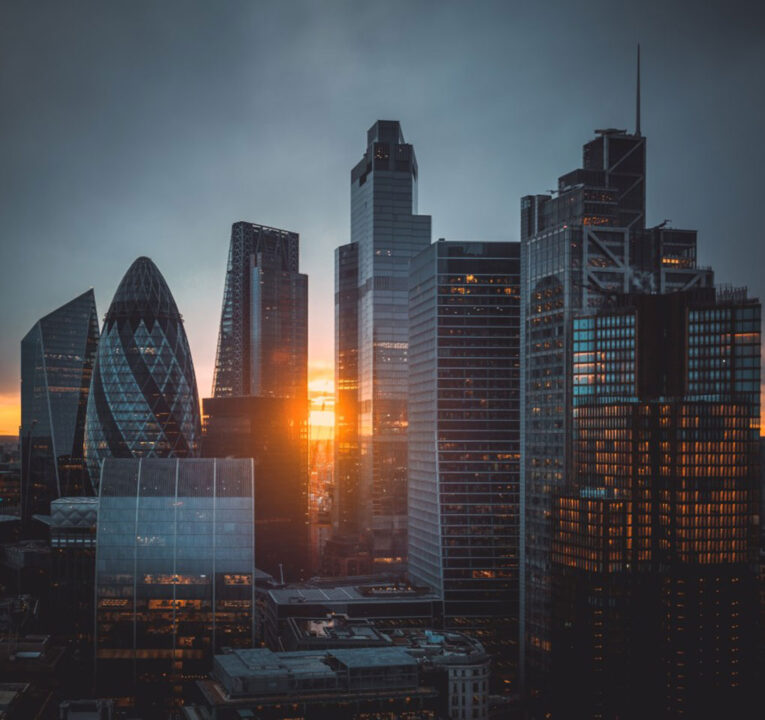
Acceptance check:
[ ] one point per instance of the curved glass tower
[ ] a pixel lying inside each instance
(143, 398)
(57, 357)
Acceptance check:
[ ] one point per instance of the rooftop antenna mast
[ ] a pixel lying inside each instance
(637, 95)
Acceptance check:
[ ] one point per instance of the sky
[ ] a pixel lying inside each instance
(148, 128)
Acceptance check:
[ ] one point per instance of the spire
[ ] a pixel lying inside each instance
(637, 95)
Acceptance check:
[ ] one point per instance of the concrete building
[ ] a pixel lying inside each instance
(417, 674)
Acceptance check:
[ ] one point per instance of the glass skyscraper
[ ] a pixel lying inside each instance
(143, 398)
(464, 439)
(263, 336)
(259, 407)
(57, 357)
(655, 544)
(373, 291)
(346, 506)
(579, 248)
(174, 571)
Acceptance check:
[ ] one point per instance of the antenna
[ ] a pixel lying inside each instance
(637, 95)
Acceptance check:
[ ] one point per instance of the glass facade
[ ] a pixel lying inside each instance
(57, 357)
(655, 542)
(143, 398)
(73, 549)
(464, 439)
(263, 337)
(388, 234)
(579, 250)
(346, 505)
(174, 571)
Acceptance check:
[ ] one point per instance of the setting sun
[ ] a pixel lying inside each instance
(321, 395)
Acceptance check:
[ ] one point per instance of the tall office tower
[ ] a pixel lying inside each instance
(579, 248)
(346, 507)
(57, 357)
(266, 429)
(260, 404)
(174, 572)
(143, 398)
(388, 233)
(464, 439)
(263, 337)
(655, 545)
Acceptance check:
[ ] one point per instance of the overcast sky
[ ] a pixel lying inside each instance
(147, 128)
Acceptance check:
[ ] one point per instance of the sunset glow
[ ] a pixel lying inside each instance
(321, 394)
(10, 413)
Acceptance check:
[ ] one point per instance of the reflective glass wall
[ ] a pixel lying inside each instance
(174, 570)
(57, 357)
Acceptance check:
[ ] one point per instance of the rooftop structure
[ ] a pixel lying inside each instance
(388, 605)
(442, 674)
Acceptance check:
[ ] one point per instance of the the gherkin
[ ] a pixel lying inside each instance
(143, 399)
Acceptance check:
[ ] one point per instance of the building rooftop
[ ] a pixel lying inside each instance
(262, 662)
(336, 628)
(354, 658)
(394, 593)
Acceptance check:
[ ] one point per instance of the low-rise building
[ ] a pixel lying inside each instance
(415, 674)
(387, 604)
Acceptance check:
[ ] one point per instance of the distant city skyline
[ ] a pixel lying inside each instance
(150, 130)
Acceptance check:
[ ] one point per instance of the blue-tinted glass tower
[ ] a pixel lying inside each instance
(143, 399)
(174, 572)
(372, 292)
(57, 357)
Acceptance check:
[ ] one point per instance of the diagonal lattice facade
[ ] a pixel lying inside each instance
(143, 400)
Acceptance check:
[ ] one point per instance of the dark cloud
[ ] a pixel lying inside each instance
(148, 128)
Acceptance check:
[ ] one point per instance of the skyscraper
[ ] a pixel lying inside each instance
(464, 439)
(174, 571)
(579, 248)
(372, 291)
(260, 404)
(143, 398)
(57, 357)
(347, 460)
(263, 337)
(655, 545)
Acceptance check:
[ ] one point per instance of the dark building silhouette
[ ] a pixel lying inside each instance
(57, 357)
(655, 547)
(263, 337)
(143, 398)
(260, 404)
(580, 247)
(272, 432)
(347, 461)
(388, 233)
(174, 573)
(72, 528)
(464, 439)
